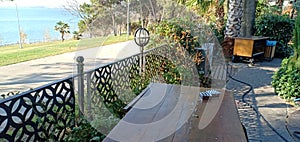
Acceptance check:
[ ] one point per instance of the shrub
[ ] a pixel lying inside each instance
(279, 28)
(263, 8)
(183, 34)
(178, 31)
(219, 32)
(286, 80)
(77, 35)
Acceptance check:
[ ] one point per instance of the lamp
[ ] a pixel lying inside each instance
(141, 38)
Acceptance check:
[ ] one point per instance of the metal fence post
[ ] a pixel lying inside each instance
(89, 95)
(80, 65)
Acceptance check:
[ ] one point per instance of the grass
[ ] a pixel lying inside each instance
(14, 54)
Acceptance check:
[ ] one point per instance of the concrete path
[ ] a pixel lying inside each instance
(262, 108)
(34, 73)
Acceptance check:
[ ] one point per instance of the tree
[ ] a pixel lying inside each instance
(23, 36)
(77, 35)
(234, 20)
(296, 39)
(62, 28)
(87, 12)
(211, 11)
(248, 18)
(111, 8)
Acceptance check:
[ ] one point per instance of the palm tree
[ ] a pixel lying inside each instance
(62, 28)
(233, 26)
(205, 6)
(249, 8)
(234, 21)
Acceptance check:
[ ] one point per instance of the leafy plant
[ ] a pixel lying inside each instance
(77, 35)
(62, 28)
(84, 132)
(279, 28)
(287, 79)
(182, 35)
(178, 31)
(263, 8)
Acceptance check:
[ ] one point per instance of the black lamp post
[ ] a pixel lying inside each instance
(141, 38)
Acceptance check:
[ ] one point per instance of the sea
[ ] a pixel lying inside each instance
(36, 22)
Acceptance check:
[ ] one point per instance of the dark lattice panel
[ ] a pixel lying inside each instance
(45, 113)
(110, 82)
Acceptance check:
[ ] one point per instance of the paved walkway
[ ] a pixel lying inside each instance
(262, 108)
(34, 73)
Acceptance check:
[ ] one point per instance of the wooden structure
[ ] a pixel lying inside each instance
(249, 47)
(269, 52)
(176, 113)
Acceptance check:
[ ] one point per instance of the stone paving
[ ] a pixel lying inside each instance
(263, 114)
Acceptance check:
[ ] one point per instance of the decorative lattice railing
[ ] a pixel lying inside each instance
(40, 114)
(48, 112)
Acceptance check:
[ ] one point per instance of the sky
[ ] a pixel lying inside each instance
(34, 3)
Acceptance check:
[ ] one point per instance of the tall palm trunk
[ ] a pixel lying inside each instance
(233, 26)
(248, 19)
(235, 13)
(220, 15)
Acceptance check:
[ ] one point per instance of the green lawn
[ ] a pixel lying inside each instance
(13, 54)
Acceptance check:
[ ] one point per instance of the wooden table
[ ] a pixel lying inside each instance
(249, 46)
(176, 113)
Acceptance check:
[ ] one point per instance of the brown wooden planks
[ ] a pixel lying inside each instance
(225, 126)
(175, 106)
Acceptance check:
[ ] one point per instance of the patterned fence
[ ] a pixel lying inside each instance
(48, 112)
(40, 114)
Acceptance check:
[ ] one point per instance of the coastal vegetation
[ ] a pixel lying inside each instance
(62, 28)
(13, 54)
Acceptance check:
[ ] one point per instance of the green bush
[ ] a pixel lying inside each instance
(183, 35)
(279, 28)
(286, 80)
(263, 8)
(178, 31)
(219, 33)
(84, 132)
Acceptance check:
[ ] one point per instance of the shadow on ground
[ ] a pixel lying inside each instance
(261, 111)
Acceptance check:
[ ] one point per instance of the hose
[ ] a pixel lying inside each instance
(254, 108)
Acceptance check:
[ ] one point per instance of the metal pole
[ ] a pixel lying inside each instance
(88, 97)
(128, 20)
(142, 59)
(141, 12)
(80, 65)
(20, 40)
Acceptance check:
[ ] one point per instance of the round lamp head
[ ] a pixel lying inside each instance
(141, 37)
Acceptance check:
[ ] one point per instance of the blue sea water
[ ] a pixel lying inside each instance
(36, 22)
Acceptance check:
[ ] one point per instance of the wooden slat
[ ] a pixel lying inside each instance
(182, 134)
(134, 125)
(219, 72)
(136, 99)
(225, 125)
(166, 113)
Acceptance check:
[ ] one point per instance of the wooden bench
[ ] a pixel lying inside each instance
(167, 112)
